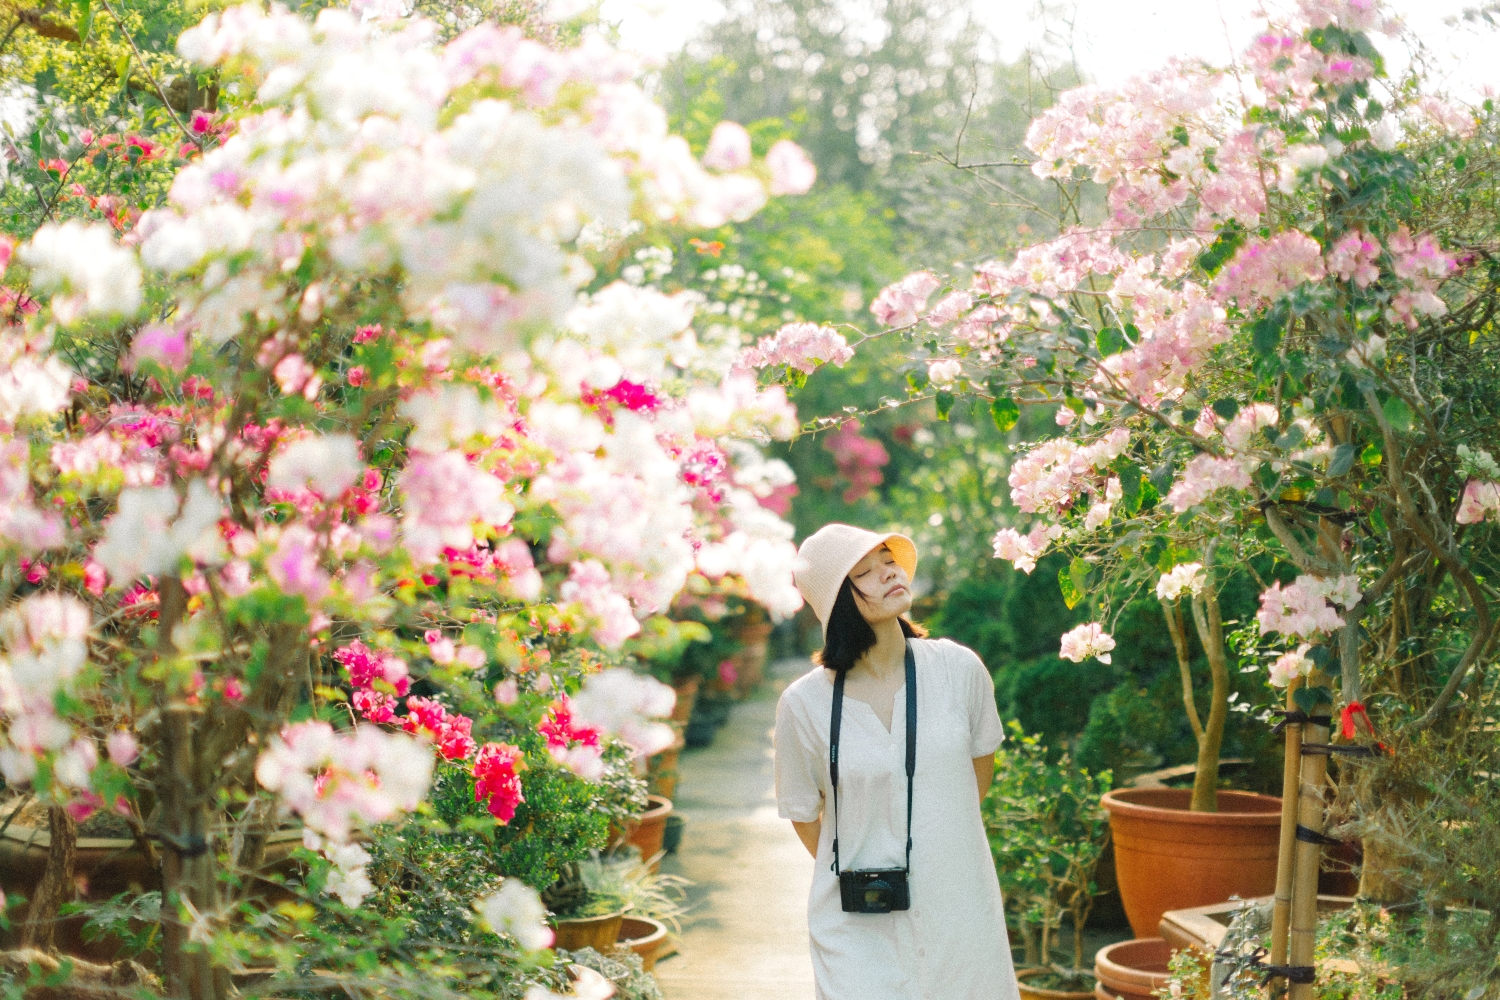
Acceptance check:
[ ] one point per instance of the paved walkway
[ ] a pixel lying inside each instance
(745, 935)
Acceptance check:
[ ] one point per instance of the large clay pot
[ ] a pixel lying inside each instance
(1132, 970)
(598, 933)
(750, 662)
(662, 770)
(107, 866)
(651, 829)
(687, 695)
(1029, 992)
(644, 936)
(1169, 858)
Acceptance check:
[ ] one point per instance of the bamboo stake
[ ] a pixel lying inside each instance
(1281, 913)
(1310, 809)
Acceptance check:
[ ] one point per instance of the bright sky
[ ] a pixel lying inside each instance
(1116, 39)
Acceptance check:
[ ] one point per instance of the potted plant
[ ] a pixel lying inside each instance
(582, 917)
(1176, 848)
(1047, 833)
(653, 902)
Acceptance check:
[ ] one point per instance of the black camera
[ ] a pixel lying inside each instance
(874, 890)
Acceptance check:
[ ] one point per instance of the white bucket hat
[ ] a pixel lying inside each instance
(827, 556)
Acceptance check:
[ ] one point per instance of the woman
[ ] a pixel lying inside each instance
(950, 944)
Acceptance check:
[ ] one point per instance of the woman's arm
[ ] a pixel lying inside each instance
(984, 772)
(808, 833)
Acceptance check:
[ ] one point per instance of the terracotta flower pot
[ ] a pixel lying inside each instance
(661, 770)
(1132, 970)
(651, 829)
(1029, 992)
(1169, 858)
(598, 933)
(107, 866)
(687, 695)
(750, 661)
(644, 936)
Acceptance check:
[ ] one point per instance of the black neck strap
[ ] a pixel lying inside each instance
(911, 749)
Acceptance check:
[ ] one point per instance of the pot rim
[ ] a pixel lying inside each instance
(1104, 962)
(658, 932)
(35, 836)
(1119, 801)
(1052, 994)
(661, 808)
(554, 920)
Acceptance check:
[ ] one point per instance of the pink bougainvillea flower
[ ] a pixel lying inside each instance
(497, 780)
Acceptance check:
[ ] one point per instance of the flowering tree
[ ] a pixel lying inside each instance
(1273, 345)
(310, 410)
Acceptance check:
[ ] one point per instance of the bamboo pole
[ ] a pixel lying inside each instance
(1310, 814)
(1281, 913)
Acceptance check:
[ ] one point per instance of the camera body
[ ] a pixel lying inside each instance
(874, 890)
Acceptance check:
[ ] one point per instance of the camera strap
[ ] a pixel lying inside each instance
(911, 749)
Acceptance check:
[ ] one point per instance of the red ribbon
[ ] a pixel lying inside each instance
(1347, 716)
(1355, 708)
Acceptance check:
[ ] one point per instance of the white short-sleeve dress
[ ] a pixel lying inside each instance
(951, 944)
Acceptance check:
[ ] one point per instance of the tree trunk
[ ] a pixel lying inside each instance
(189, 887)
(56, 886)
(1211, 633)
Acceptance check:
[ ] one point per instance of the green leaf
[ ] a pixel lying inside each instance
(1162, 475)
(1398, 414)
(1078, 572)
(1071, 595)
(1130, 486)
(1342, 461)
(1075, 404)
(1213, 258)
(944, 402)
(917, 379)
(1226, 408)
(1373, 455)
(1265, 334)
(1150, 495)
(1310, 699)
(1109, 341)
(1377, 521)
(1005, 412)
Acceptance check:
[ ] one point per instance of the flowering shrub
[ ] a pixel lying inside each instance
(325, 413)
(1270, 345)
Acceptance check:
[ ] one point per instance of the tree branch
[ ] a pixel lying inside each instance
(1178, 632)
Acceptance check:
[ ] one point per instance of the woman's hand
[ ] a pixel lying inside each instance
(984, 773)
(808, 833)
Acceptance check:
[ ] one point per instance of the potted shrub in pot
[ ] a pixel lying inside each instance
(1176, 848)
(582, 917)
(1047, 832)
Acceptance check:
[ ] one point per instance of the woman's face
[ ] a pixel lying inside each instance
(882, 589)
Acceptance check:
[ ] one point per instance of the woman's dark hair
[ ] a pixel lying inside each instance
(849, 636)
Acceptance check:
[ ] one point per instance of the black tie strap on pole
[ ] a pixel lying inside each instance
(1339, 749)
(1256, 963)
(1298, 717)
(1310, 836)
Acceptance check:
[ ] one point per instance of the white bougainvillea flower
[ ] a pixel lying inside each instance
(1182, 578)
(150, 531)
(1085, 641)
(516, 909)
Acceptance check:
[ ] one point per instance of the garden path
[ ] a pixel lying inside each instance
(746, 933)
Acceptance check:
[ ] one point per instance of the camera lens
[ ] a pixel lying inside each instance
(878, 895)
